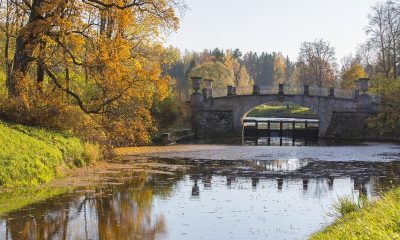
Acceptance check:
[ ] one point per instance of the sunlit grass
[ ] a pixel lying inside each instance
(31, 156)
(281, 111)
(378, 220)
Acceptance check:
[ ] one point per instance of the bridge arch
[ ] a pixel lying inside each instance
(282, 104)
(322, 106)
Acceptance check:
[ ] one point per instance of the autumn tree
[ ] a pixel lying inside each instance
(232, 63)
(318, 62)
(104, 56)
(244, 78)
(279, 69)
(218, 72)
(115, 35)
(350, 76)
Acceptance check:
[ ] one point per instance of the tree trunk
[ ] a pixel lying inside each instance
(25, 45)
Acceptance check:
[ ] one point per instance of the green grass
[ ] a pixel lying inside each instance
(282, 111)
(378, 220)
(31, 156)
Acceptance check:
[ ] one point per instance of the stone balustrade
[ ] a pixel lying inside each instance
(306, 90)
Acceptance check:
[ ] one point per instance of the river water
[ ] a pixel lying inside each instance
(259, 198)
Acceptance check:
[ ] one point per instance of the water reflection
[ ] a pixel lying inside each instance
(214, 200)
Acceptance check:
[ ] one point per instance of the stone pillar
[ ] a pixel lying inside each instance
(196, 103)
(256, 89)
(363, 85)
(364, 100)
(205, 94)
(196, 99)
(281, 89)
(209, 88)
(230, 90)
(332, 92)
(356, 94)
(234, 92)
(306, 90)
(281, 93)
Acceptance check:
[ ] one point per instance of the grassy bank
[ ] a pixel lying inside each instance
(282, 111)
(31, 156)
(379, 220)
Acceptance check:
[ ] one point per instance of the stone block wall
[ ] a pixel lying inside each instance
(213, 123)
(349, 125)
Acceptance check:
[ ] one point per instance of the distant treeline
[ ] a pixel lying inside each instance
(316, 65)
(230, 67)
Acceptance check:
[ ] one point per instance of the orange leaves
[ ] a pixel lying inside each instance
(103, 56)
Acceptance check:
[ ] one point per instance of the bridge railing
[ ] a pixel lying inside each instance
(288, 89)
(317, 91)
(281, 89)
(294, 89)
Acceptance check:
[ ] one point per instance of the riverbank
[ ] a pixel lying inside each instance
(379, 220)
(32, 156)
(38, 164)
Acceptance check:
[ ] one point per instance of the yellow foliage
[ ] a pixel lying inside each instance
(101, 56)
(350, 76)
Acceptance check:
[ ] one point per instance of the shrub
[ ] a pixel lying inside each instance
(92, 152)
(171, 112)
(347, 205)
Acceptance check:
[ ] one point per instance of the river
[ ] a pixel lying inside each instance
(229, 192)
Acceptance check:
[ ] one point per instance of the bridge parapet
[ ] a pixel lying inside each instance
(289, 89)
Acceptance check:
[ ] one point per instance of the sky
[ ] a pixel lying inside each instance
(272, 25)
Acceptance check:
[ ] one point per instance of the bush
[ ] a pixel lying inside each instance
(387, 121)
(171, 113)
(92, 152)
(347, 205)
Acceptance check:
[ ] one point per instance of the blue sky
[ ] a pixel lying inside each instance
(272, 25)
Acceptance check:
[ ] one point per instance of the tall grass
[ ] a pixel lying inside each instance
(346, 205)
(378, 220)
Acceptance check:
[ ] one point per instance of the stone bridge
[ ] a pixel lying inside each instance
(340, 117)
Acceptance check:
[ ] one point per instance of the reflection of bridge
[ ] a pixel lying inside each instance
(341, 113)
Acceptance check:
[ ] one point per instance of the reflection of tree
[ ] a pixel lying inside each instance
(120, 216)
(118, 212)
(51, 225)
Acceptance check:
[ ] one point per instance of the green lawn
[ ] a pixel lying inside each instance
(282, 111)
(379, 220)
(31, 156)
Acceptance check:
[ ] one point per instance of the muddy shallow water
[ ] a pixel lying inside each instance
(288, 198)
